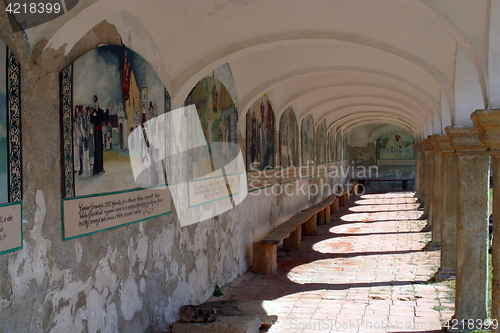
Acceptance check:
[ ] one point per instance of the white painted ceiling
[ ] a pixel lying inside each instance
(350, 62)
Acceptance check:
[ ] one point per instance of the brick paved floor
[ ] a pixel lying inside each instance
(366, 271)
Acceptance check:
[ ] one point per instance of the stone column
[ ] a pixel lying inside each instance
(472, 227)
(421, 173)
(422, 163)
(487, 122)
(429, 170)
(448, 210)
(416, 148)
(436, 196)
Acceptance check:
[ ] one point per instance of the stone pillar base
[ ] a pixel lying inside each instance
(443, 275)
(433, 246)
(427, 228)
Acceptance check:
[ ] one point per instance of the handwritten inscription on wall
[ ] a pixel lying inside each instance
(87, 215)
(11, 237)
(204, 191)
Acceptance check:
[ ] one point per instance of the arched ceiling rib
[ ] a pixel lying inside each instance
(357, 109)
(314, 109)
(186, 80)
(313, 92)
(299, 75)
(363, 123)
(347, 126)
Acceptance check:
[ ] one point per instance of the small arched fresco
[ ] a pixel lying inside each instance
(307, 135)
(321, 143)
(396, 148)
(260, 135)
(11, 237)
(218, 117)
(289, 139)
(331, 145)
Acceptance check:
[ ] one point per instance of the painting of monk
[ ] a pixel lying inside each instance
(321, 143)
(260, 135)
(331, 146)
(289, 139)
(219, 118)
(308, 150)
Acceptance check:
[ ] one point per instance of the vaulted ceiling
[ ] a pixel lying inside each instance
(350, 62)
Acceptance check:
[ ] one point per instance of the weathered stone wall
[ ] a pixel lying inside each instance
(129, 279)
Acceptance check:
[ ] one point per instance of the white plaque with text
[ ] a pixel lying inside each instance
(87, 215)
(212, 189)
(11, 233)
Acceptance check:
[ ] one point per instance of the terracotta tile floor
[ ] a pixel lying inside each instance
(366, 271)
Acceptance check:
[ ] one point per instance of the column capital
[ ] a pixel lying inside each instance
(444, 143)
(487, 122)
(433, 143)
(426, 145)
(417, 146)
(465, 139)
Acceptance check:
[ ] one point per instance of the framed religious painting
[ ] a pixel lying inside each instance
(112, 104)
(396, 149)
(260, 145)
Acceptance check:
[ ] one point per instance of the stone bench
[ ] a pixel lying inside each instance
(291, 231)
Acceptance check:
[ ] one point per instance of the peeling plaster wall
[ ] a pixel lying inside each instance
(129, 279)
(363, 153)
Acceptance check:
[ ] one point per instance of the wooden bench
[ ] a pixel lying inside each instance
(290, 232)
(347, 192)
(303, 223)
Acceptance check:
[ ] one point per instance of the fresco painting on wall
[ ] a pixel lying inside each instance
(345, 148)
(108, 94)
(289, 139)
(308, 141)
(260, 135)
(218, 116)
(321, 143)
(395, 146)
(224, 74)
(331, 146)
(340, 145)
(4, 180)
(114, 91)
